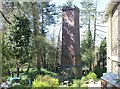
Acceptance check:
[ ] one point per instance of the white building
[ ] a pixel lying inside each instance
(112, 18)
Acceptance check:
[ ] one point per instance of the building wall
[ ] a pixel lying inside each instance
(115, 33)
(119, 30)
(109, 44)
(115, 40)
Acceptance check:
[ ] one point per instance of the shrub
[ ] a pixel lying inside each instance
(84, 86)
(92, 75)
(46, 72)
(20, 87)
(99, 71)
(24, 82)
(84, 78)
(45, 81)
(31, 75)
(5, 78)
(76, 83)
(37, 83)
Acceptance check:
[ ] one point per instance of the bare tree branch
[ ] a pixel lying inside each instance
(5, 17)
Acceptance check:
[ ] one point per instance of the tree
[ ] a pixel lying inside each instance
(7, 53)
(48, 53)
(87, 13)
(86, 47)
(88, 21)
(102, 53)
(16, 33)
(20, 37)
(46, 18)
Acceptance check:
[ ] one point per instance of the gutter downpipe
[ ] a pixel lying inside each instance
(109, 43)
(1, 43)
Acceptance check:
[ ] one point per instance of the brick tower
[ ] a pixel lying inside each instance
(70, 57)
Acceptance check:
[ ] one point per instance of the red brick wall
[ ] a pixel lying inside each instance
(70, 38)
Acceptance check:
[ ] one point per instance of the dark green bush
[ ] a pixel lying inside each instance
(20, 87)
(5, 78)
(46, 72)
(31, 75)
(99, 71)
(24, 82)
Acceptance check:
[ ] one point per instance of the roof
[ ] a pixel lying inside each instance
(111, 4)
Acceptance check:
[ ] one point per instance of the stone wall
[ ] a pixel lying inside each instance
(115, 33)
(119, 29)
(116, 39)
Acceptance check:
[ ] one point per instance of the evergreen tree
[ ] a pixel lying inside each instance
(20, 37)
(103, 52)
(86, 50)
(88, 21)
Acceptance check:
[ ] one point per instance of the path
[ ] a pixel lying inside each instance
(96, 85)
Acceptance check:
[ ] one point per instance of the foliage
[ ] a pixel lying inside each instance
(45, 81)
(46, 72)
(103, 52)
(20, 38)
(88, 22)
(18, 43)
(31, 75)
(92, 75)
(87, 13)
(86, 50)
(76, 83)
(84, 86)
(117, 80)
(5, 78)
(87, 57)
(84, 78)
(37, 83)
(47, 53)
(99, 71)
(32, 70)
(24, 82)
(20, 86)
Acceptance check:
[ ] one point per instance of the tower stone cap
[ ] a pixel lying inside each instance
(65, 8)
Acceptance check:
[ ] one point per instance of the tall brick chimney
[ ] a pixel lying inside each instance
(70, 57)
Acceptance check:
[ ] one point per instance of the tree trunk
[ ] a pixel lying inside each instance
(36, 30)
(35, 17)
(28, 69)
(98, 63)
(17, 68)
(90, 66)
(8, 72)
(38, 61)
(44, 60)
(94, 38)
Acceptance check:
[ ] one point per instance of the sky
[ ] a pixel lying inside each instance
(55, 29)
(101, 3)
